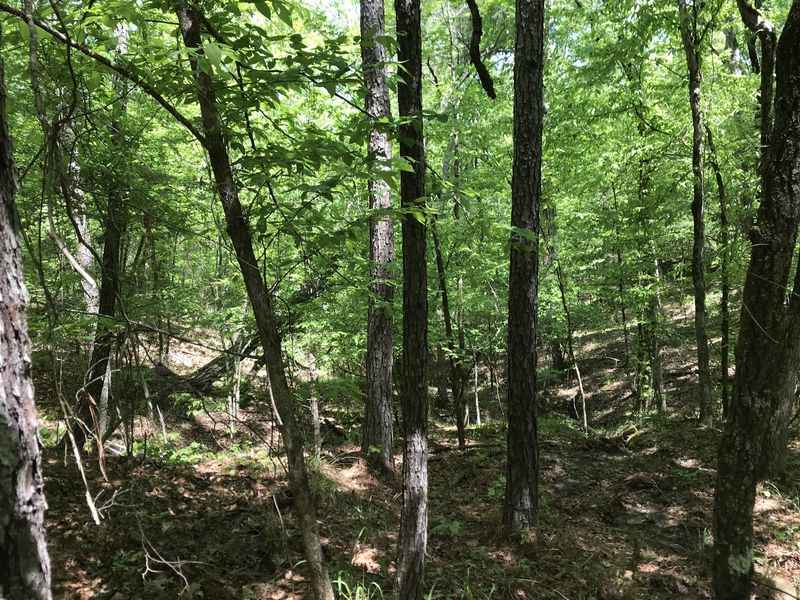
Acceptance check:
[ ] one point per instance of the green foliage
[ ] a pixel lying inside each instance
(347, 590)
(171, 452)
(497, 490)
(444, 527)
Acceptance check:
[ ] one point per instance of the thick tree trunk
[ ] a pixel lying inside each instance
(522, 479)
(378, 439)
(775, 448)
(689, 35)
(768, 345)
(262, 304)
(24, 564)
(414, 516)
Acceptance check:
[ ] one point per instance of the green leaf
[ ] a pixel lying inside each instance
(213, 53)
(24, 32)
(263, 8)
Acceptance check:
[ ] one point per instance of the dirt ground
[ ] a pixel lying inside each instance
(625, 511)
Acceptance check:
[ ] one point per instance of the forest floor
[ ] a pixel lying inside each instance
(625, 511)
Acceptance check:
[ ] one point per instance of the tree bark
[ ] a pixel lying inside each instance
(522, 479)
(262, 303)
(691, 46)
(768, 348)
(414, 515)
(24, 564)
(378, 440)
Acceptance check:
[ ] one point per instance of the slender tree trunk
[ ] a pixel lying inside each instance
(724, 274)
(656, 355)
(522, 479)
(641, 361)
(762, 28)
(414, 515)
(93, 409)
(454, 368)
(768, 348)
(24, 564)
(313, 401)
(262, 303)
(621, 278)
(571, 346)
(691, 46)
(378, 439)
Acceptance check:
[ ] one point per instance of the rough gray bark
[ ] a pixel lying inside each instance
(768, 348)
(414, 515)
(262, 304)
(522, 479)
(691, 47)
(378, 439)
(24, 564)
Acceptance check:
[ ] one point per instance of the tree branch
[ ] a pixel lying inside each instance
(475, 50)
(114, 66)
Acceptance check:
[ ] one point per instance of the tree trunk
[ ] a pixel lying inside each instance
(571, 346)
(775, 448)
(414, 515)
(725, 324)
(656, 355)
(522, 479)
(621, 277)
(378, 439)
(691, 46)
(455, 369)
(24, 564)
(313, 401)
(768, 345)
(262, 303)
(93, 409)
(765, 31)
(203, 378)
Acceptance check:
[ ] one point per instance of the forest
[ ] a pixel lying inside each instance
(463, 299)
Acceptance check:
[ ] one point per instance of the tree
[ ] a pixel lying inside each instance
(378, 439)
(768, 347)
(24, 563)
(414, 515)
(260, 300)
(522, 477)
(692, 39)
